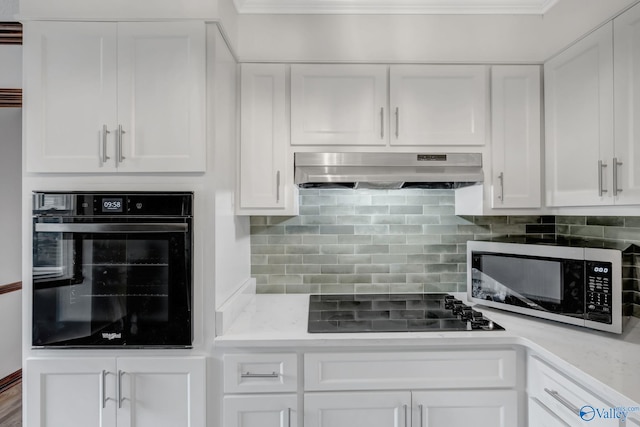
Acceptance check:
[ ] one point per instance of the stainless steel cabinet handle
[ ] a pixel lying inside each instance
(119, 389)
(421, 409)
(501, 178)
(103, 394)
(570, 406)
(616, 163)
(397, 122)
(288, 417)
(601, 166)
(278, 187)
(381, 122)
(404, 407)
(252, 375)
(105, 132)
(120, 133)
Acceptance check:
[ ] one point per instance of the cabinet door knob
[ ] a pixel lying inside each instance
(501, 178)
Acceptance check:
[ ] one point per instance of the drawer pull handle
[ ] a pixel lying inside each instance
(252, 375)
(563, 401)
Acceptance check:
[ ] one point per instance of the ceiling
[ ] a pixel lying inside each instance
(519, 7)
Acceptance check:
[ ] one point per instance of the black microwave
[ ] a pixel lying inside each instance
(571, 282)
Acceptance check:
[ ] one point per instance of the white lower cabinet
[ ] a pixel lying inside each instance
(434, 388)
(541, 416)
(455, 408)
(451, 408)
(357, 409)
(256, 410)
(561, 401)
(110, 391)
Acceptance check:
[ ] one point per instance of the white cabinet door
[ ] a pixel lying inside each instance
(357, 409)
(541, 416)
(579, 122)
(339, 104)
(480, 408)
(627, 108)
(161, 392)
(70, 392)
(516, 139)
(110, 392)
(101, 97)
(69, 96)
(260, 411)
(266, 171)
(161, 97)
(439, 104)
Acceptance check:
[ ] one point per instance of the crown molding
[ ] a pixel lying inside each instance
(419, 7)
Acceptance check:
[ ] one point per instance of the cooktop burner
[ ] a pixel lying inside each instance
(394, 313)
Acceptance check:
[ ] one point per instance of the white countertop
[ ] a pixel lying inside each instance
(276, 320)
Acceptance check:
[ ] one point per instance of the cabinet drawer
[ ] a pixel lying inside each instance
(414, 370)
(562, 396)
(256, 373)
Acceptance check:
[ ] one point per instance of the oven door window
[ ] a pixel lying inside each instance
(113, 289)
(544, 284)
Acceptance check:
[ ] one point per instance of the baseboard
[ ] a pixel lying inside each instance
(10, 380)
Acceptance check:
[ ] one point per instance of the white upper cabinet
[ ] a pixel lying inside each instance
(516, 136)
(266, 168)
(439, 104)
(70, 95)
(626, 183)
(339, 104)
(579, 122)
(101, 97)
(161, 97)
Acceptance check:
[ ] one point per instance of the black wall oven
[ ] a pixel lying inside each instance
(112, 269)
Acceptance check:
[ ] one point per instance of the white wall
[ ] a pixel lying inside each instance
(8, 8)
(10, 243)
(421, 38)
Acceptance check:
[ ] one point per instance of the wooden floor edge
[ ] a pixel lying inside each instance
(10, 380)
(11, 287)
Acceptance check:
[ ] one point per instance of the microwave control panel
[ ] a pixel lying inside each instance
(598, 304)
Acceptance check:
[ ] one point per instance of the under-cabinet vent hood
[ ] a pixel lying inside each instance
(388, 170)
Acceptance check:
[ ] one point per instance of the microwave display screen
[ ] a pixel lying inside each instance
(537, 283)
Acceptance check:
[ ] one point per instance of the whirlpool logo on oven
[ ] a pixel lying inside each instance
(591, 413)
(111, 336)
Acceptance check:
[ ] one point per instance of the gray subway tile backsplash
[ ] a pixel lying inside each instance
(347, 241)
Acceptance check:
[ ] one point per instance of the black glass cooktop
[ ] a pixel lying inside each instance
(394, 313)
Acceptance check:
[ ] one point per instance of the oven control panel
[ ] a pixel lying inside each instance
(598, 304)
(85, 204)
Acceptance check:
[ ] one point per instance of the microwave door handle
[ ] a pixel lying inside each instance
(46, 227)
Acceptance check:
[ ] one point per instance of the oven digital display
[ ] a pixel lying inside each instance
(114, 204)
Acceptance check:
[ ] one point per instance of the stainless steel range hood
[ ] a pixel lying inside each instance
(387, 170)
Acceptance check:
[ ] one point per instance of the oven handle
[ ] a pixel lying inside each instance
(48, 227)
